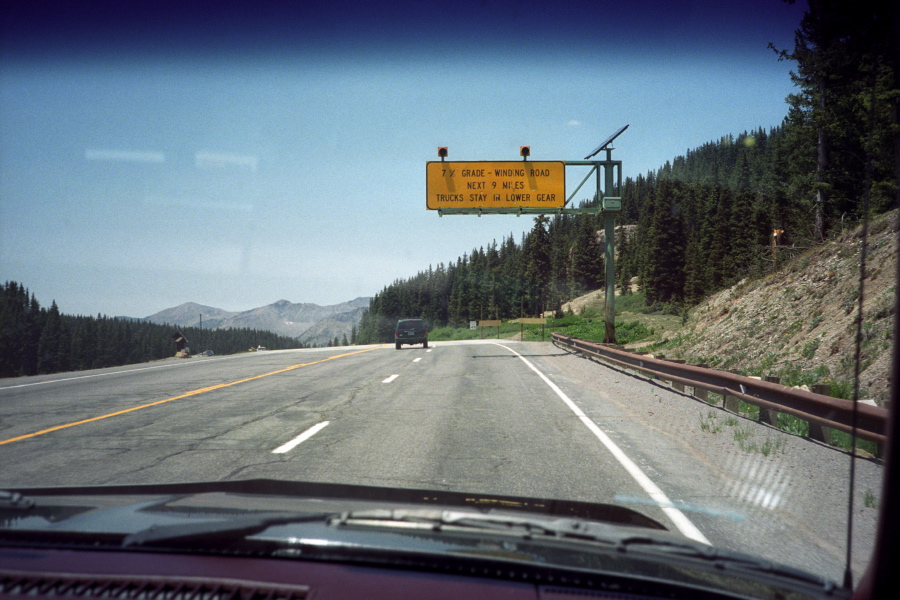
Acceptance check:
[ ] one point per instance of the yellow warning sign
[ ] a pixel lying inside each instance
(506, 184)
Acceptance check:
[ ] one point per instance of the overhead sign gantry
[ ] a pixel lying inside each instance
(527, 187)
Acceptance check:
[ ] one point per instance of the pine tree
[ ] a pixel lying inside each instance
(587, 259)
(663, 277)
(845, 61)
(537, 266)
(54, 343)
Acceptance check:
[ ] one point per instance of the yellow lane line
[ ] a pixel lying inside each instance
(185, 395)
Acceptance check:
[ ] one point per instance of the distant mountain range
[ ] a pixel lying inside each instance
(310, 323)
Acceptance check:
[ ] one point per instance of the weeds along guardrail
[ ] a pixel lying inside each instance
(818, 410)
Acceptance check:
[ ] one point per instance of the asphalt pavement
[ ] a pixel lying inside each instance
(508, 418)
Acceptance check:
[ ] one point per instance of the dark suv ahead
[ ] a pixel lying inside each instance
(410, 331)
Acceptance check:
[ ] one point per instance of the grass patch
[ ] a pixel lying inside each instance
(768, 447)
(748, 410)
(669, 344)
(869, 499)
(815, 322)
(464, 333)
(741, 435)
(452, 333)
(840, 439)
(744, 438)
(795, 376)
(594, 329)
(792, 424)
(809, 349)
(850, 301)
(632, 303)
(709, 423)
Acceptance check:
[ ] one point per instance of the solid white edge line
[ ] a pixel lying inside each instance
(390, 379)
(678, 518)
(301, 438)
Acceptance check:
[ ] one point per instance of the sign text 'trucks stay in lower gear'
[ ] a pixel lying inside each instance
(505, 184)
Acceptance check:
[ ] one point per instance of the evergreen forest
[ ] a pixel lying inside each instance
(34, 339)
(735, 207)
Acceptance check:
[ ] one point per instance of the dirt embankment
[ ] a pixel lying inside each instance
(804, 315)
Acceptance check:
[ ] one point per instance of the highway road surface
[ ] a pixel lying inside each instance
(491, 417)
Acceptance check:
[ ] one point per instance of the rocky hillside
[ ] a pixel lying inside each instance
(338, 326)
(803, 316)
(311, 323)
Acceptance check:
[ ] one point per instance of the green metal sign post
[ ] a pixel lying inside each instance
(609, 204)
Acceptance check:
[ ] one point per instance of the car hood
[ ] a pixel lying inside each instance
(130, 508)
(424, 529)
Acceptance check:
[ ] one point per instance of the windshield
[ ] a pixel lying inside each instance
(185, 185)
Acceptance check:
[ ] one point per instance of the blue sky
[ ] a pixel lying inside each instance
(159, 154)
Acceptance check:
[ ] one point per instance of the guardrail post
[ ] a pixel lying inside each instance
(731, 403)
(698, 393)
(817, 432)
(766, 415)
(660, 357)
(679, 387)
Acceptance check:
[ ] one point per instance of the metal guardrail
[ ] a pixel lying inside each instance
(817, 409)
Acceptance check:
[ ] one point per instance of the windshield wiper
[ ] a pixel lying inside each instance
(526, 527)
(206, 531)
(435, 520)
(720, 558)
(572, 529)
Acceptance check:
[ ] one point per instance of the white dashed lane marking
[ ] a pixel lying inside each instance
(301, 438)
